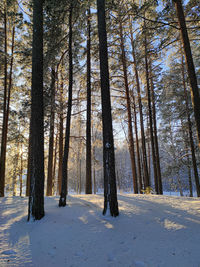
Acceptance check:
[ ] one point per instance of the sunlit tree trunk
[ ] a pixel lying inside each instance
(194, 161)
(189, 63)
(144, 153)
(137, 143)
(51, 135)
(150, 111)
(64, 187)
(128, 106)
(160, 187)
(4, 137)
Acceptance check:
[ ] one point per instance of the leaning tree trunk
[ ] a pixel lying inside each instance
(110, 190)
(64, 188)
(128, 105)
(51, 135)
(189, 63)
(88, 186)
(36, 198)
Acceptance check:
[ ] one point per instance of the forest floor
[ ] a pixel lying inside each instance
(150, 231)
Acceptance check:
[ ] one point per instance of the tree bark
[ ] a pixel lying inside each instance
(194, 162)
(160, 187)
(36, 198)
(190, 65)
(60, 138)
(88, 186)
(144, 153)
(137, 144)
(3, 137)
(51, 135)
(128, 106)
(150, 112)
(64, 188)
(28, 177)
(110, 190)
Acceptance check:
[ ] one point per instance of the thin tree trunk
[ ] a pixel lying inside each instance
(194, 162)
(137, 144)
(190, 65)
(64, 188)
(16, 172)
(36, 198)
(3, 137)
(51, 135)
(150, 112)
(60, 138)
(128, 106)
(160, 187)
(28, 177)
(110, 190)
(88, 186)
(144, 153)
(21, 173)
(54, 166)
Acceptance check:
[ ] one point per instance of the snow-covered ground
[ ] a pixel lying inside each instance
(150, 231)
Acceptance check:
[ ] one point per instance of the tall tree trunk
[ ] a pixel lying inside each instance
(110, 190)
(144, 153)
(51, 135)
(160, 187)
(28, 175)
(64, 188)
(150, 111)
(16, 171)
(128, 106)
(194, 162)
(189, 63)
(3, 137)
(60, 138)
(36, 198)
(88, 186)
(54, 185)
(137, 143)
(21, 173)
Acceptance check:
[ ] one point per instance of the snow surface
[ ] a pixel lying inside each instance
(150, 231)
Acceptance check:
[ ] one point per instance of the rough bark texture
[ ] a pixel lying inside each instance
(110, 190)
(190, 65)
(51, 135)
(64, 189)
(88, 186)
(128, 106)
(36, 198)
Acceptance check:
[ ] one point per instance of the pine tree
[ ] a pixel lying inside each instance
(36, 198)
(110, 191)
